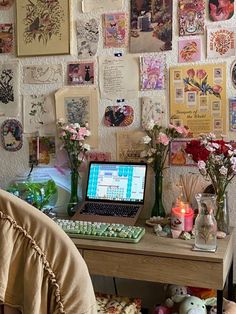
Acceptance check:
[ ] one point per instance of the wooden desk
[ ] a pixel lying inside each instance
(162, 260)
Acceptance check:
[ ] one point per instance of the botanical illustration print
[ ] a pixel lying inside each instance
(152, 73)
(5, 4)
(80, 73)
(189, 50)
(221, 10)
(6, 86)
(77, 109)
(87, 38)
(115, 30)
(119, 115)
(150, 25)
(6, 38)
(11, 134)
(152, 110)
(42, 21)
(42, 74)
(220, 42)
(191, 17)
(39, 113)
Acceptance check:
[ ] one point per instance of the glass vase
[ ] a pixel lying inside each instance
(74, 199)
(222, 213)
(158, 208)
(205, 223)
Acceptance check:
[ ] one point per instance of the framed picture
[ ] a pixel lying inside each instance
(42, 27)
(79, 105)
(178, 156)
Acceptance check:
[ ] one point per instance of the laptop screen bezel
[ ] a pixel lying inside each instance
(88, 199)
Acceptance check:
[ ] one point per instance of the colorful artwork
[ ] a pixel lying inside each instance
(197, 98)
(119, 115)
(191, 17)
(233, 74)
(232, 114)
(11, 134)
(6, 4)
(221, 10)
(39, 113)
(190, 50)
(178, 156)
(152, 73)
(42, 150)
(220, 42)
(150, 26)
(115, 30)
(6, 38)
(152, 109)
(98, 156)
(76, 109)
(80, 73)
(42, 74)
(87, 38)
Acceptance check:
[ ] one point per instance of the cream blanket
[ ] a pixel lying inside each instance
(41, 271)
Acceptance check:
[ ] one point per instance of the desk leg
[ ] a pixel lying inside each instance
(219, 301)
(230, 283)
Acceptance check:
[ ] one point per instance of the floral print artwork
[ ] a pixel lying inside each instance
(115, 29)
(77, 109)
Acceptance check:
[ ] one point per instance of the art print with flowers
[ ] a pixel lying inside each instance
(157, 143)
(73, 138)
(198, 97)
(216, 159)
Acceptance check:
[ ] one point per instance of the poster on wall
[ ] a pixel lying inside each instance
(80, 73)
(191, 16)
(190, 50)
(198, 97)
(150, 26)
(42, 27)
(118, 116)
(115, 30)
(221, 10)
(153, 109)
(6, 38)
(232, 114)
(221, 42)
(42, 74)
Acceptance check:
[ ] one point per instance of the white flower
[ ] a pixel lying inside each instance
(229, 146)
(210, 148)
(230, 152)
(86, 146)
(201, 165)
(215, 145)
(233, 160)
(223, 171)
(143, 154)
(76, 125)
(233, 167)
(149, 125)
(147, 139)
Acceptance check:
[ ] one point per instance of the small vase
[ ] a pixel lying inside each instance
(222, 213)
(74, 199)
(158, 208)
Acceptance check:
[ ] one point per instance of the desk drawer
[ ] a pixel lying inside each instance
(155, 269)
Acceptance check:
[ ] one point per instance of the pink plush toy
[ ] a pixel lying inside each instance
(161, 310)
(229, 307)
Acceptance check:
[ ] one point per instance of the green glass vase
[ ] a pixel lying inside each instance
(74, 198)
(158, 208)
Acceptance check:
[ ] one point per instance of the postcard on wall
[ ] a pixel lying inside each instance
(152, 73)
(6, 4)
(9, 89)
(178, 156)
(6, 38)
(232, 114)
(220, 42)
(221, 10)
(42, 74)
(87, 36)
(233, 73)
(190, 50)
(42, 150)
(94, 5)
(39, 114)
(119, 115)
(80, 73)
(11, 135)
(115, 30)
(197, 100)
(42, 27)
(118, 77)
(129, 146)
(150, 26)
(98, 156)
(191, 17)
(153, 110)
(79, 105)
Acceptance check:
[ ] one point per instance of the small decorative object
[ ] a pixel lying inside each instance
(216, 161)
(205, 223)
(11, 134)
(158, 140)
(73, 137)
(182, 217)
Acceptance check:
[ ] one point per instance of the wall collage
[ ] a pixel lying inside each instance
(115, 64)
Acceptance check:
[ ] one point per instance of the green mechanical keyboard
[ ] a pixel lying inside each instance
(101, 230)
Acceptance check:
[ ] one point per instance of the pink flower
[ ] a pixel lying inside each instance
(217, 89)
(164, 139)
(201, 74)
(191, 73)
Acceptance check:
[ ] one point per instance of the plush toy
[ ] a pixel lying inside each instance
(229, 307)
(160, 309)
(174, 294)
(192, 305)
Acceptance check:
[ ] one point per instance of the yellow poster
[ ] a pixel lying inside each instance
(198, 97)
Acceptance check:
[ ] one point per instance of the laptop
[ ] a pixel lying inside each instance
(114, 194)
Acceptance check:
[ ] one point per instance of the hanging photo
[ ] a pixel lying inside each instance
(80, 73)
(120, 115)
(115, 30)
(42, 150)
(221, 10)
(11, 134)
(190, 50)
(6, 38)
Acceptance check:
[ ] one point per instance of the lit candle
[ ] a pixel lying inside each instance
(182, 217)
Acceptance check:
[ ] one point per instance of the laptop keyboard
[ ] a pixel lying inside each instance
(110, 209)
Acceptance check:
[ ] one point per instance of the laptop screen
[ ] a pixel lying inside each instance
(116, 182)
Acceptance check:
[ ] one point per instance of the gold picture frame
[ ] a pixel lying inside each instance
(42, 30)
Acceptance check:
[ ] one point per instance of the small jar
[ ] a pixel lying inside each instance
(205, 223)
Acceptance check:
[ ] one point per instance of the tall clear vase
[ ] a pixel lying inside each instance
(222, 213)
(158, 208)
(74, 199)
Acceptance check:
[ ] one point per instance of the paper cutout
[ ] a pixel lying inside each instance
(221, 10)
(6, 4)
(80, 73)
(153, 110)
(118, 116)
(190, 50)
(191, 17)
(152, 73)
(87, 38)
(6, 38)
(115, 30)
(42, 74)
(11, 135)
(42, 150)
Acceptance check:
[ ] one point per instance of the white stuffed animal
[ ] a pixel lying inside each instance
(192, 305)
